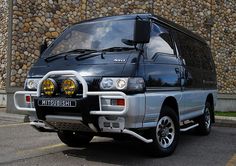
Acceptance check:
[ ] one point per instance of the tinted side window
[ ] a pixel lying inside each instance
(206, 59)
(160, 41)
(191, 50)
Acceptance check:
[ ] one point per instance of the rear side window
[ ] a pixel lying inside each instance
(206, 59)
(160, 41)
(191, 50)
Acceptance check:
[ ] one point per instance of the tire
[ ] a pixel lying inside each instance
(166, 134)
(74, 139)
(204, 121)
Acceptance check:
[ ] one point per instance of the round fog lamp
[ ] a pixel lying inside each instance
(49, 87)
(120, 84)
(69, 86)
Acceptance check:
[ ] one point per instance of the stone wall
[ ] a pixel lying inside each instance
(223, 44)
(212, 19)
(3, 42)
(98, 8)
(190, 14)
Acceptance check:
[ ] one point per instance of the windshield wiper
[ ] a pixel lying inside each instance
(111, 49)
(82, 56)
(85, 52)
(65, 54)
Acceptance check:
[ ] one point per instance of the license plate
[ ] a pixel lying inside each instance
(57, 102)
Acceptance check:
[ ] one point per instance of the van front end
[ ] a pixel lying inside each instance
(56, 108)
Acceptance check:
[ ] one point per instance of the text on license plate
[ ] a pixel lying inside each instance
(57, 103)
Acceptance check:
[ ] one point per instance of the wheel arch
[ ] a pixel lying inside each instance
(172, 103)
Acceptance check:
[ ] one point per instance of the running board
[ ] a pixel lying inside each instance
(190, 126)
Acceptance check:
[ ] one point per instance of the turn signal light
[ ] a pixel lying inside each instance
(118, 102)
(27, 99)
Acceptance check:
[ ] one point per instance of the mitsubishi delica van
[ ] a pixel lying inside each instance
(123, 76)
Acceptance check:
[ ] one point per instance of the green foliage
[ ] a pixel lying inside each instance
(230, 114)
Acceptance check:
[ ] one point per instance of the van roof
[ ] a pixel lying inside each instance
(150, 16)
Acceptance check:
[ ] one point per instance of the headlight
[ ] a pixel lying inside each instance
(113, 83)
(132, 84)
(107, 83)
(69, 86)
(32, 83)
(121, 83)
(49, 86)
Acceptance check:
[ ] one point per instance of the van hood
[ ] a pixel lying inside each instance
(111, 64)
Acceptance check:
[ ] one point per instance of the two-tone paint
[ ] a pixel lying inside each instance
(167, 77)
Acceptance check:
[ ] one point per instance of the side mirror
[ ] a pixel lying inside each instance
(45, 44)
(142, 30)
(43, 47)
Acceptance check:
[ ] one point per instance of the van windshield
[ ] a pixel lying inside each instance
(97, 35)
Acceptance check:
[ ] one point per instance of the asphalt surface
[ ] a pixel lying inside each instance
(20, 145)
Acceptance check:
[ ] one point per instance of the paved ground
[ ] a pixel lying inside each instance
(22, 145)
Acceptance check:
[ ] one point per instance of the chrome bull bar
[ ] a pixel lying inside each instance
(111, 94)
(22, 106)
(64, 72)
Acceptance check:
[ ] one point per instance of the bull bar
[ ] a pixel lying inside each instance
(111, 94)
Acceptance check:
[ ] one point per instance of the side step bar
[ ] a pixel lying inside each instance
(40, 126)
(189, 126)
(126, 131)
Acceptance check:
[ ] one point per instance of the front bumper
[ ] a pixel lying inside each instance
(22, 105)
(110, 118)
(133, 111)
